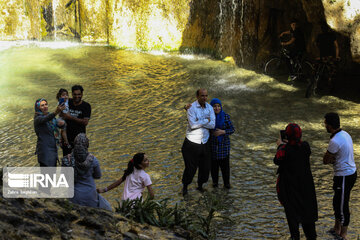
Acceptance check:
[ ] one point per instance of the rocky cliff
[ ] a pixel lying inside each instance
(141, 24)
(246, 30)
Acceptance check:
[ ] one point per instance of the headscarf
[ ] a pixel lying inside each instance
(220, 117)
(293, 134)
(83, 159)
(52, 123)
(37, 106)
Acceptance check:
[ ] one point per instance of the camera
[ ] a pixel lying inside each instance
(283, 135)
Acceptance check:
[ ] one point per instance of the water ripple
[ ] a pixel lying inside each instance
(137, 101)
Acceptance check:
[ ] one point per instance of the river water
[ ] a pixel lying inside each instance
(137, 101)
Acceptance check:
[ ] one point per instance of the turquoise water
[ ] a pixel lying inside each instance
(137, 105)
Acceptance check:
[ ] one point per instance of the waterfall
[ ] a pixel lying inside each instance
(242, 31)
(145, 25)
(221, 24)
(232, 25)
(227, 17)
(55, 3)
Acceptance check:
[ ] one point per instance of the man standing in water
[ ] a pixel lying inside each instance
(78, 117)
(196, 147)
(340, 153)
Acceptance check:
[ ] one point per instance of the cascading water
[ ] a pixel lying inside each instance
(221, 26)
(146, 25)
(242, 31)
(227, 29)
(54, 7)
(232, 25)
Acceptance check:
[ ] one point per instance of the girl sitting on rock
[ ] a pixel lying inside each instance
(136, 179)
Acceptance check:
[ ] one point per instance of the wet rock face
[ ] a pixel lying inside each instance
(141, 24)
(248, 30)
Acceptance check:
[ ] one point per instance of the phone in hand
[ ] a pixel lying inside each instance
(283, 135)
(61, 101)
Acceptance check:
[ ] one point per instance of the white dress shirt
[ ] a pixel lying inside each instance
(198, 122)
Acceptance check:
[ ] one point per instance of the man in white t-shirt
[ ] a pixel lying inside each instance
(340, 153)
(196, 149)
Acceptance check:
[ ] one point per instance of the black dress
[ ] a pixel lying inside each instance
(296, 190)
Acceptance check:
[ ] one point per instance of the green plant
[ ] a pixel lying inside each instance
(332, 1)
(153, 212)
(139, 210)
(181, 217)
(165, 214)
(158, 213)
(212, 204)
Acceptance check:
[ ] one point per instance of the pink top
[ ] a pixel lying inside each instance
(135, 184)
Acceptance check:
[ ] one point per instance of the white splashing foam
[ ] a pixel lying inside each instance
(192, 57)
(226, 85)
(158, 53)
(53, 45)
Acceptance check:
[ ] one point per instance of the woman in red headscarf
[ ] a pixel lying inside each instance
(295, 184)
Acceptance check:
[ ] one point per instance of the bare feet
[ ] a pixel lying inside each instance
(343, 232)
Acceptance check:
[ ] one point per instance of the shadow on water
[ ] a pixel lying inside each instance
(345, 86)
(137, 101)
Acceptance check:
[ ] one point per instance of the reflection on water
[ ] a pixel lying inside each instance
(137, 101)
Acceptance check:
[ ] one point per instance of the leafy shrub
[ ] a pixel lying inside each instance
(153, 212)
(210, 204)
(158, 213)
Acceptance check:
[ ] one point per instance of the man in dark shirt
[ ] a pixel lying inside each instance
(329, 50)
(296, 45)
(78, 117)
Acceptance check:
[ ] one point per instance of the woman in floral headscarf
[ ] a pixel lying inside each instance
(295, 184)
(86, 169)
(46, 128)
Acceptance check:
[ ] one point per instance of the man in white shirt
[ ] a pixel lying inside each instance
(340, 153)
(196, 149)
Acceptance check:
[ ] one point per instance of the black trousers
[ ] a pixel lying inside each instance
(308, 228)
(295, 55)
(196, 156)
(342, 188)
(224, 165)
(67, 150)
